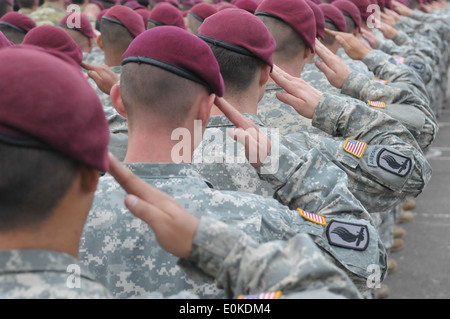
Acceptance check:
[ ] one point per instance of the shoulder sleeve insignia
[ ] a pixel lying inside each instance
(355, 147)
(265, 295)
(399, 59)
(318, 219)
(348, 235)
(394, 163)
(380, 81)
(377, 104)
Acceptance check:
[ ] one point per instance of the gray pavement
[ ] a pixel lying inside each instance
(423, 266)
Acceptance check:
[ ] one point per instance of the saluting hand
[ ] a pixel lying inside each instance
(173, 225)
(257, 144)
(332, 66)
(102, 75)
(299, 94)
(355, 48)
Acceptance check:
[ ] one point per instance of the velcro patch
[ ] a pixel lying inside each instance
(312, 217)
(380, 81)
(355, 147)
(399, 59)
(348, 235)
(378, 104)
(265, 295)
(394, 163)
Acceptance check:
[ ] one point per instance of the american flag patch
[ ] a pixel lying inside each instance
(312, 217)
(378, 104)
(399, 59)
(265, 295)
(380, 81)
(355, 147)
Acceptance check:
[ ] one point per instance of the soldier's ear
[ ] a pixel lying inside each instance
(117, 101)
(100, 42)
(264, 75)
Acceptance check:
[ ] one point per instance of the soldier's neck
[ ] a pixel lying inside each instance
(244, 103)
(112, 59)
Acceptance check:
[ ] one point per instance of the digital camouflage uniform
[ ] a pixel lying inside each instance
(48, 14)
(123, 254)
(46, 274)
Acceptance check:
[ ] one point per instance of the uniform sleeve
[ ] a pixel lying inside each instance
(343, 119)
(296, 268)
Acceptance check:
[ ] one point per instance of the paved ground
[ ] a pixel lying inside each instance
(424, 264)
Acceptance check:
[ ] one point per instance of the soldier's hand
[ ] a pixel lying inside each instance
(354, 47)
(370, 37)
(257, 144)
(299, 94)
(402, 9)
(388, 19)
(173, 225)
(332, 66)
(102, 75)
(388, 31)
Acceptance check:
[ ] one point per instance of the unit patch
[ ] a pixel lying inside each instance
(312, 217)
(378, 104)
(265, 295)
(394, 163)
(380, 81)
(348, 235)
(355, 147)
(399, 59)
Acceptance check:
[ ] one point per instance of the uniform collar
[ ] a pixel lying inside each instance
(223, 121)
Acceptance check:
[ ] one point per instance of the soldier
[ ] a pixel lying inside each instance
(83, 34)
(15, 26)
(27, 6)
(49, 13)
(119, 26)
(167, 91)
(242, 260)
(49, 175)
(4, 42)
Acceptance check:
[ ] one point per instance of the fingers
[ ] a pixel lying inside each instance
(133, 184)
(233, 115)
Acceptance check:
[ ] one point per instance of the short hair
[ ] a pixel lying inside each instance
(289, 42)
(162, 93)
(238, 70)
(329, 40)
(351, 25)
(193, 24)
(32, 183)
(13, 35)
(4, 7)
(115, 37)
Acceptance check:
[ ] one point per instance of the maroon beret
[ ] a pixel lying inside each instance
(78, 22)
(144, 13)
(248, 5)
(362, 6)
(54, 38)
(4, 42)
(166, 14)
(201, 11)
(350, 9)
(295, 13)
(334, 16)
(126, 17)
(224, 5)
(49, 105)
(10, 2)
(162, 46)
(320, 19)
(18, 21)
(244, 33)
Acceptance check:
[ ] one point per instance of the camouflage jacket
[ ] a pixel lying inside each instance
(123, 254)
(374, 181)
(48, 14)
(235, 260)
(45, 274)
(404, 96)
